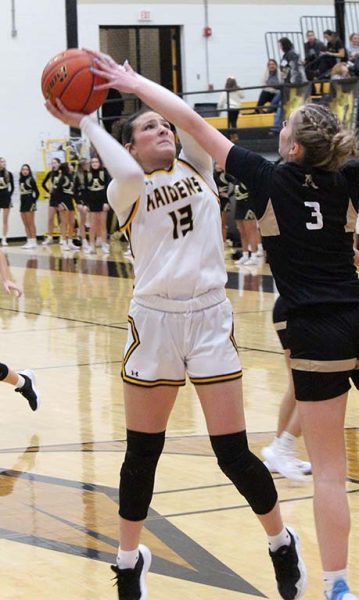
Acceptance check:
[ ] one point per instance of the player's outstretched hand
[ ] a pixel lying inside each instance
(10, 286)
(120, 77)
(59, 111)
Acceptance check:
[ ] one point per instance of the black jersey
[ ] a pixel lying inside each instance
(80, 192)
(96, 182)
(50, 183)
(28, 187)
(65, 187)
(6, 184)
(307, 217)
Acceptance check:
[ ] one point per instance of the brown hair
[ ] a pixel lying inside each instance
(326, 144)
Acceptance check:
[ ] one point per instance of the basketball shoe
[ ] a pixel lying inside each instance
(340, 591)
(289, 568)
(131, 583)
(284, 461)
(28, 390)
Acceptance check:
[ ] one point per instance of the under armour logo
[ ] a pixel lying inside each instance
(309, 182)
(134, 373)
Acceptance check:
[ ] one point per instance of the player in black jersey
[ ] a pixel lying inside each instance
(307, 209)
(49, 184)
(6, 191)
(29, 194)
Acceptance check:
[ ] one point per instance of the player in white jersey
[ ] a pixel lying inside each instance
(180, 321)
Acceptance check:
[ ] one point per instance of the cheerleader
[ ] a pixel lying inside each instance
(29, 194)
(6, 191)
(97, 180)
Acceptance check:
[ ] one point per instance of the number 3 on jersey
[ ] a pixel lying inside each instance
(316, 215)
(182, 220)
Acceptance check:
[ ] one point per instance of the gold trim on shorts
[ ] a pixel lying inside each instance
(216, 378)
(324, 366)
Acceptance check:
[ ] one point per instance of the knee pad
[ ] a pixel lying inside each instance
(138, 473)
(4, 371)
(249, 475)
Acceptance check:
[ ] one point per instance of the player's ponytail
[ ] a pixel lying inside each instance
(326, 144)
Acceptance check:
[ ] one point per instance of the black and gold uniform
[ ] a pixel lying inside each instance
(6, 188)
(50, 184)
(307, 216)
(97, 181)
(65, 189)
(244, 209)
(225, 187)
(29, 193)
(80, 191)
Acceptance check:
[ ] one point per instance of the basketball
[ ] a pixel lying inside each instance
(68, 77)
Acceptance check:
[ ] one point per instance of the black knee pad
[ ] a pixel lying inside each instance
(250, 476)
(4, 371)
(138, 473)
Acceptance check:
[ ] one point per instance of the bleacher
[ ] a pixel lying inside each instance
(247, 117)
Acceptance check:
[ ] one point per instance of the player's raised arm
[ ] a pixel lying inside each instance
(170, 106)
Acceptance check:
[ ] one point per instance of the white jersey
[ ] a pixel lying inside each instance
(175, 230)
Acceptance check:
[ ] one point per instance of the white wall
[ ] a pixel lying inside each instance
(236, 48)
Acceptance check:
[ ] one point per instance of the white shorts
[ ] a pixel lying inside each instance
(179, 337)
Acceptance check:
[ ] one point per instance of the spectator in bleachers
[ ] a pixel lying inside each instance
(312, 49)
(340, 71)
(230, 100)
(335, 52)
(292, 71)
(353, 54)
(270, 80)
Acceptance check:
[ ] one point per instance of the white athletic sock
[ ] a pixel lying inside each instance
(126, 559)
(287, 441)
(20, 382)
(245, 254)
(329, 579)
(276, 541)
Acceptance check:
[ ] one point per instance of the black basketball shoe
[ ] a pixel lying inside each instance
(131, 583)
(28, 390)
(290, 570)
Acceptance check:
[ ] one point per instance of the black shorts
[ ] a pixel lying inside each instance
(5, 202)
(96, 205)
(280, 321)
(54, 202)
(244, 210)
(66, 204)
(27, 204)
(324, 351)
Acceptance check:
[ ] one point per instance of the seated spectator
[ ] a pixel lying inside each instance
(340, 71)
(353, 54)
(335, 52)
(230, 100)
(312, 50)
(270, 80)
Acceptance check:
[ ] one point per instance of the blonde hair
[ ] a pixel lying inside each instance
(326, 144)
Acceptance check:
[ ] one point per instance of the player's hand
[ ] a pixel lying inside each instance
(120, 77)
(10, 287)
(59, 111)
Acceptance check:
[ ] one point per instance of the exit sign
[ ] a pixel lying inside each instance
(145, 15)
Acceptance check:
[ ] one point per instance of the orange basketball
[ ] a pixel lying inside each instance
(68, 77)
